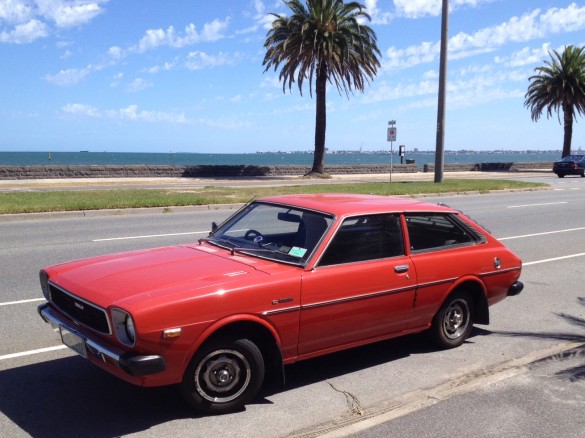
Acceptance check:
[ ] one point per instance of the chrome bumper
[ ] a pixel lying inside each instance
(134, 365)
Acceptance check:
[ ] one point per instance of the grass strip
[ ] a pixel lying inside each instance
(78, 200)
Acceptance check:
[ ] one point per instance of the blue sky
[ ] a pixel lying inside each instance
(187, 76)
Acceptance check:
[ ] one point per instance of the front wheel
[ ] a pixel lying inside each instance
(223, 376)
(453, 322)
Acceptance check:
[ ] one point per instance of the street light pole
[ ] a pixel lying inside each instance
(440, 146)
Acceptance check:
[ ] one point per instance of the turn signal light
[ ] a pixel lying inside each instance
(171, 333)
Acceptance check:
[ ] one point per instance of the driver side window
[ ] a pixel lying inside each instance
(365, 238)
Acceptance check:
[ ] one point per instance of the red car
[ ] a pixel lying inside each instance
(286, 278)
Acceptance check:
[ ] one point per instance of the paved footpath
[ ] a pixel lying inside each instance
(170, 183)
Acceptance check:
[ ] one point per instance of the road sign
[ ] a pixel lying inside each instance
(392, 134)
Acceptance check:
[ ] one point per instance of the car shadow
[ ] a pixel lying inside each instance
(71, 397)
(334, 365)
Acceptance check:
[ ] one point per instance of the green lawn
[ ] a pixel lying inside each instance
(34, 202)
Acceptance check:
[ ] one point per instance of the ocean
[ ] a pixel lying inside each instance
(265, 159)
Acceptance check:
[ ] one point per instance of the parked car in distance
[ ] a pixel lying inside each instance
(285, 278)
(570, 165)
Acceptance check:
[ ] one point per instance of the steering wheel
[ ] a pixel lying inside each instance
(252, 234)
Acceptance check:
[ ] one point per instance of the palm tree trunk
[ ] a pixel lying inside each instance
(568, 125)
(320, 121)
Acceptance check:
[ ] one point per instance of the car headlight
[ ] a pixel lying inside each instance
(130, 330)
(124, 327)
(45, 284)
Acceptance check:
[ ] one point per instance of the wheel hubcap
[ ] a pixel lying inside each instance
(222, 376)
(456, 319)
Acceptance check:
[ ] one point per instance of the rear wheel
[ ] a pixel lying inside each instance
(453, 322)
(223, 376)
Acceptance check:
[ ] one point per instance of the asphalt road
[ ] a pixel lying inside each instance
(491, 386)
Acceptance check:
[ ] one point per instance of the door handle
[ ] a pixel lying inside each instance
(401, 269)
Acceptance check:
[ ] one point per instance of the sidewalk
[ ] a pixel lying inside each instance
(117, 183)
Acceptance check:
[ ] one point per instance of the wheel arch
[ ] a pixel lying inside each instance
(252, 328)
(477, 290)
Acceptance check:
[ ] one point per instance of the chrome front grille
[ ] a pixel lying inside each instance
(79, 310)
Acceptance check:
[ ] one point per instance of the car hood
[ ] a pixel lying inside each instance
(193, 270)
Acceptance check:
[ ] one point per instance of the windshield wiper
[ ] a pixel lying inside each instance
(234, 250)
(222, 243)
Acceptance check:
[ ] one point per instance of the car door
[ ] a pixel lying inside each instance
(361, 289)
(442, 250)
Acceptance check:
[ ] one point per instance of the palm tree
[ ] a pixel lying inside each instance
(322, 40)
(559, 85)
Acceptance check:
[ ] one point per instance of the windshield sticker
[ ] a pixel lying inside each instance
(297, 252)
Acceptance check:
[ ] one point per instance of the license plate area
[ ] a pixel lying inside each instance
(73, 341)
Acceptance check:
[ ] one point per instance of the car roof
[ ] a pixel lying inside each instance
(342, 204)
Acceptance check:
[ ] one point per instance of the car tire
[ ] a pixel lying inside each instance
(561, 175)
(223, 376)
(453, 322)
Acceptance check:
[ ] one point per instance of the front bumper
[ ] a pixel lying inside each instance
(134, 365)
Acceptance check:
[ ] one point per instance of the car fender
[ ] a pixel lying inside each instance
(226, 322)
(477, 287)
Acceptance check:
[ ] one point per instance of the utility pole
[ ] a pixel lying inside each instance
(440, 145)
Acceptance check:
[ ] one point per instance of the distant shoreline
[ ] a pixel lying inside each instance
(332, 158)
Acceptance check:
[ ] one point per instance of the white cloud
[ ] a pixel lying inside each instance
(528, 27)
(138, 84)
(154, 38)
(25, 33)
(69, 13)
(377, 16)
(25, 21)
(15, 11)
(422, 8)
(200, 60)
(524, 56)
(130, 113)
(68, 77)
(224, 123)
(215, 30)
(81, 109)
(262, 17)
(167, 66)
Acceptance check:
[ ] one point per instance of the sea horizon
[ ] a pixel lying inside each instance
(298, 158)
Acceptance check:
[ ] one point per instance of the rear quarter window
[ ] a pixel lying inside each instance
(438, 231)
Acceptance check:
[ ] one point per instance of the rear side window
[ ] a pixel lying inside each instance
(437, 231)
(365, 238)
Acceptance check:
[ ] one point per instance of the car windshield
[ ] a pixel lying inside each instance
(276, 232)
(574, 158)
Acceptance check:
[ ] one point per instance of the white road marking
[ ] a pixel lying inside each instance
(542, 234)
(537, 205)
(31, 352)
(149, 236)
(554, 259)
(32, 300)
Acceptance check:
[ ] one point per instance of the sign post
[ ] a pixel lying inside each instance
(391, 138)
